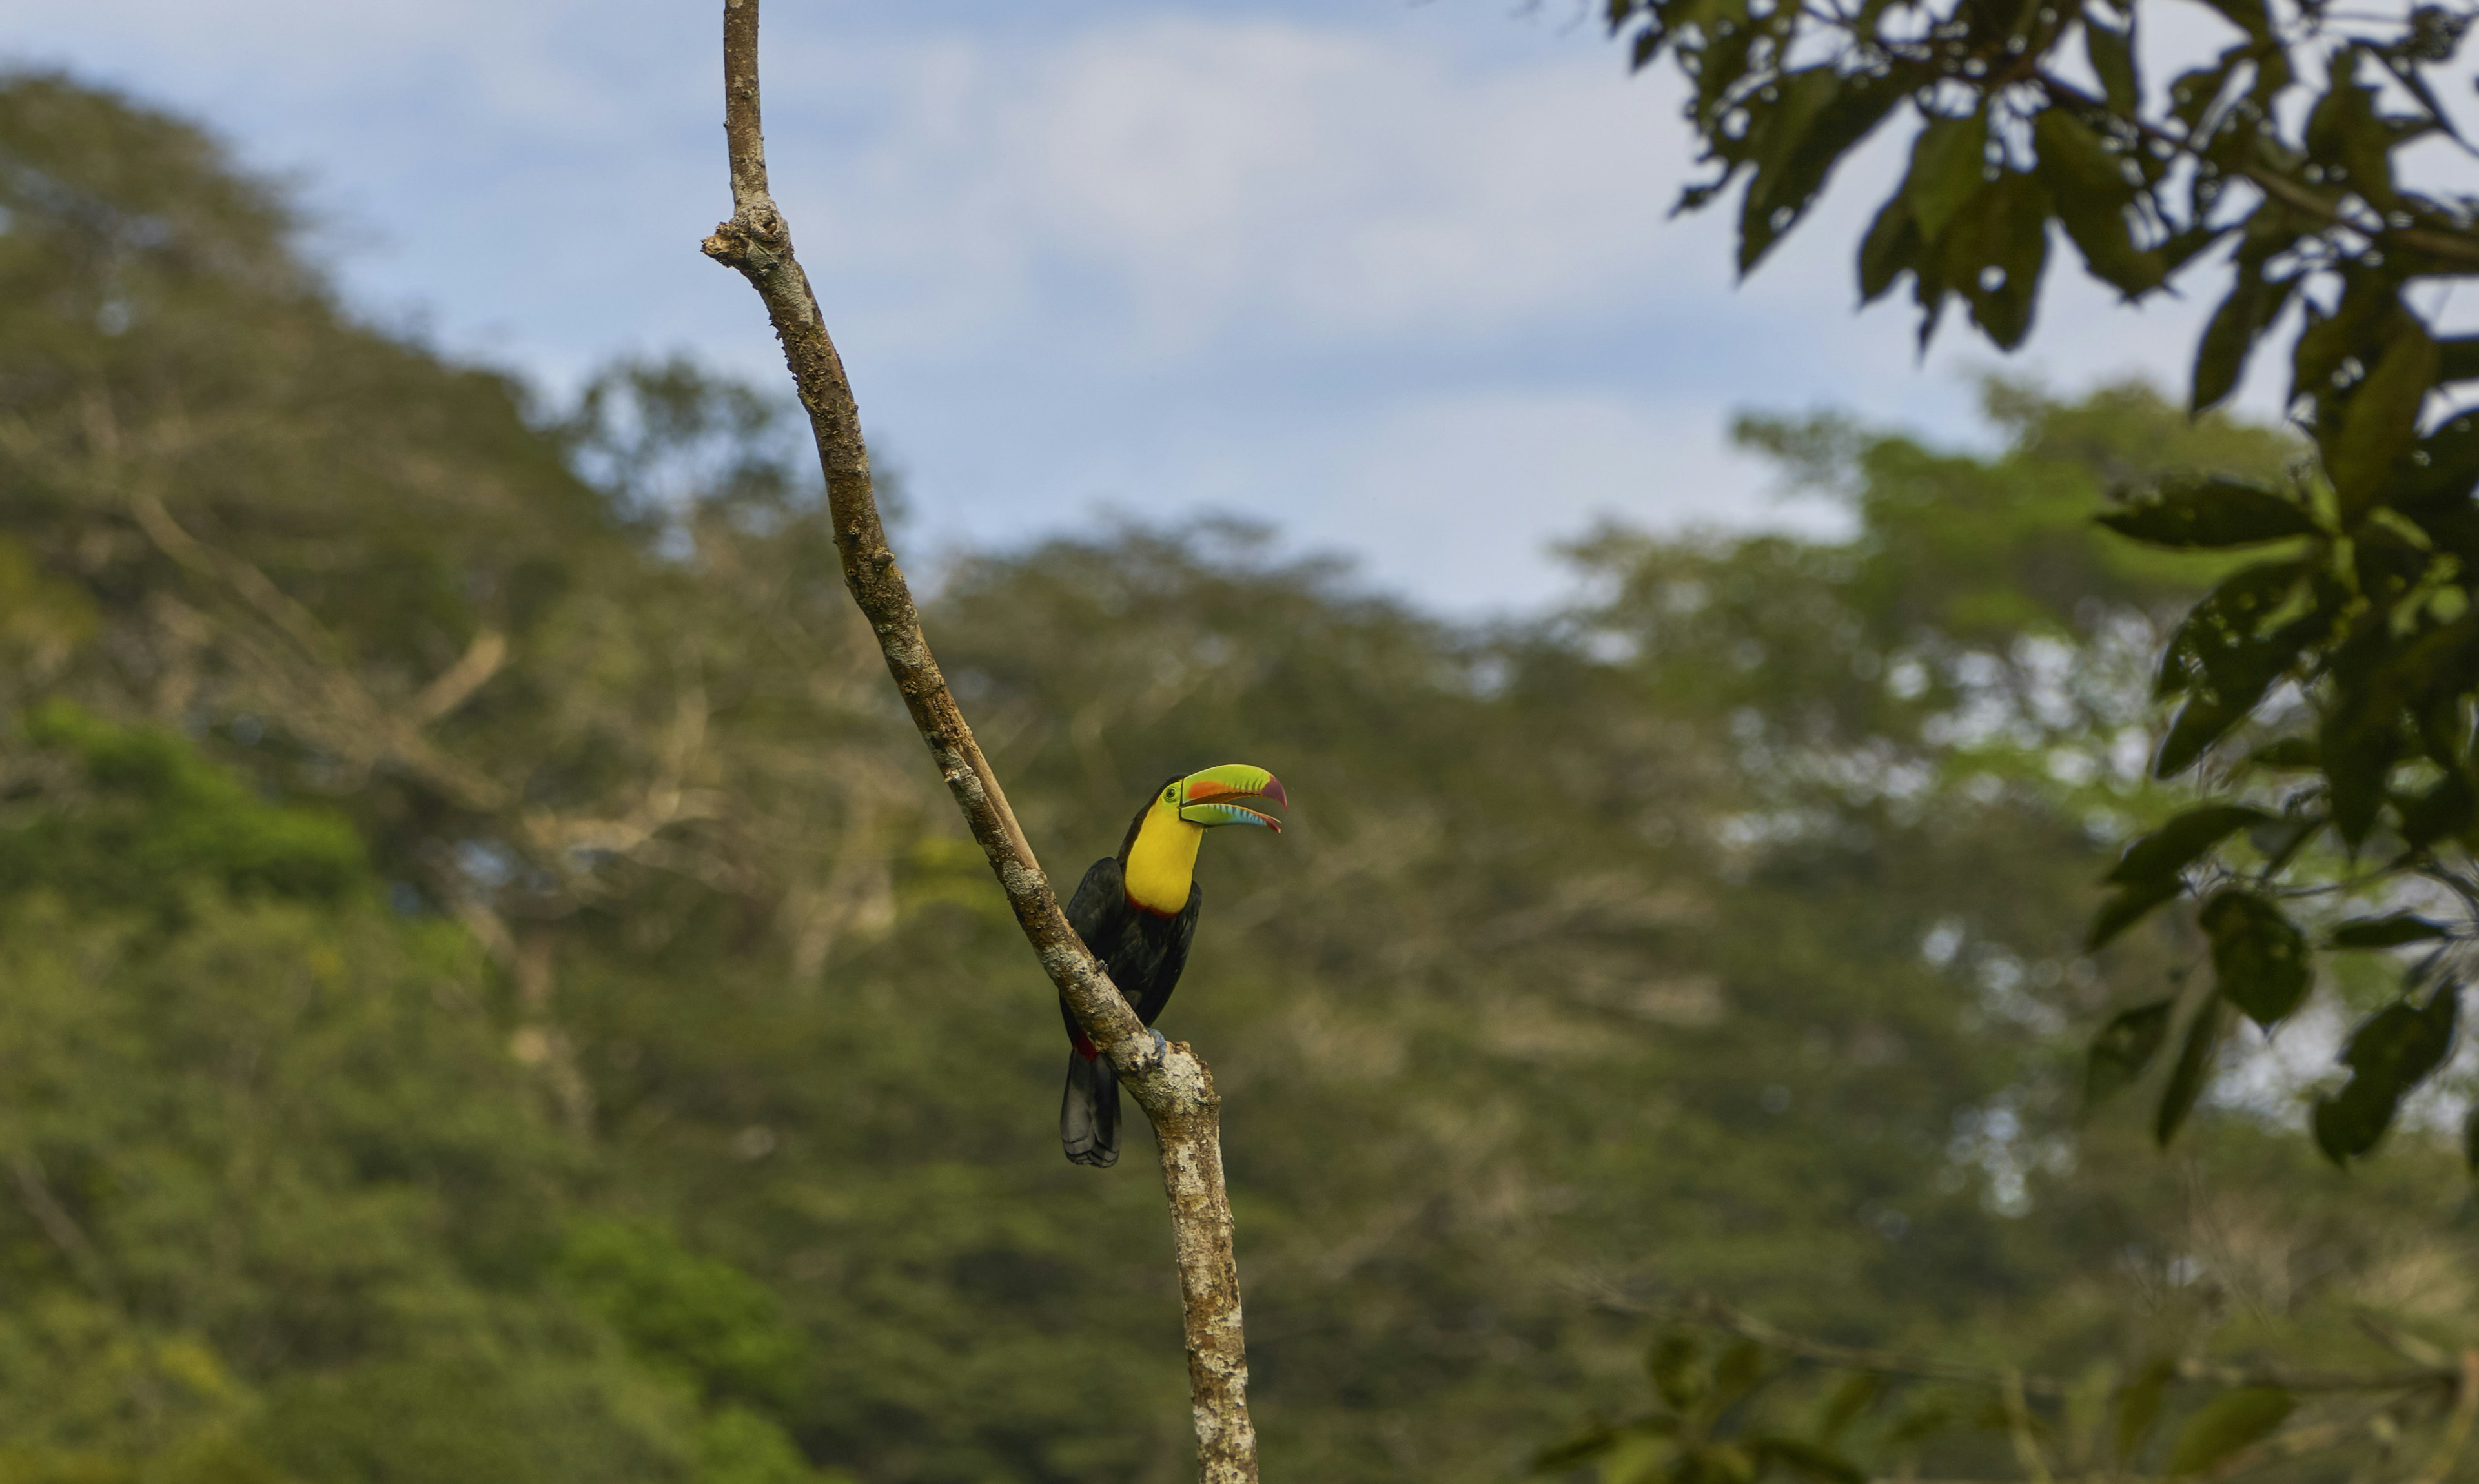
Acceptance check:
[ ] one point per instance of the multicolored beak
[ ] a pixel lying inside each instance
(1204, 797)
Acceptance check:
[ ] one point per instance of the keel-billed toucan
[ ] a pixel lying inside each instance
(1137, 910)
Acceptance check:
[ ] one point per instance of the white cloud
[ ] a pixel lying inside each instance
(1459, 495)
(1256, 178)
(517, 65)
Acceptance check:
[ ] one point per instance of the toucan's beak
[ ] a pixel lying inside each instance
(1204, 798)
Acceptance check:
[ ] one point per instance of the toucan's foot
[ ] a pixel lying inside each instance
(1140, 1062)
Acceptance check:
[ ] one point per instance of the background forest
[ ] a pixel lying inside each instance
(482, 958)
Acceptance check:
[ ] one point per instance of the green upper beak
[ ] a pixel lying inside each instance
(1204, 797)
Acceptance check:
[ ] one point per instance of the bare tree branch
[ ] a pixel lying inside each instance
(1172, 1084)
(35, 1190)
(456, 684)
(333, 703)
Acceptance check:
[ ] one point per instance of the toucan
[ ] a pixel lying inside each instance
(1137, 910)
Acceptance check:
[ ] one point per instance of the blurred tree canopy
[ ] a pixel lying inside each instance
(486, 970)
(2327, 690)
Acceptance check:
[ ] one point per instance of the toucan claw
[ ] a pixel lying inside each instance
(1140, 1062)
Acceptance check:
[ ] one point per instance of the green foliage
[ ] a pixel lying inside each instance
(2227, 1423)
(402, 1421)
(2125, 1048)
(1811, 1409)
(2194, 1064)
(2335, 686)
(1691, 1437)
(707, 1319)
(2210, 512)
(2387, 1056)
(2151, 870)
(136, 817)
(274, 1176)
(2138, 1406)
(2392, 930)
(2259, 956)
(736, 1446)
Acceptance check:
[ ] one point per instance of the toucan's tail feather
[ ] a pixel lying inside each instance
(1088, 1112)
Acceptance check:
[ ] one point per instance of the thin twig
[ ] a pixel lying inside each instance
(456, 684)
(2457, 1427)
(1705, 1309)
(2294, 1442)
(2018, 1426)
(357, 724)
(2288, 192)
(35, 1191)
(1170, 1083)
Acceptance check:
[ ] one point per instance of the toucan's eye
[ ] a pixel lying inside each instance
(1171, 796)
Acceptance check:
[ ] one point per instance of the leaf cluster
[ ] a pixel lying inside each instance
(2324, 691)
(1696, 1431)
(1772, 1403)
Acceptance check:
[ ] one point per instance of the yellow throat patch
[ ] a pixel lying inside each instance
(1162, 864)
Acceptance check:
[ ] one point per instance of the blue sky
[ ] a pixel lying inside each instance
(1396, 277)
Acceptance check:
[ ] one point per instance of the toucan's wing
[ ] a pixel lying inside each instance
(1100, 903)
(1166, 956)
(1097, 912)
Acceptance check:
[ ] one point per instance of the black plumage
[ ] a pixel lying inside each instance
(1144, 951)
